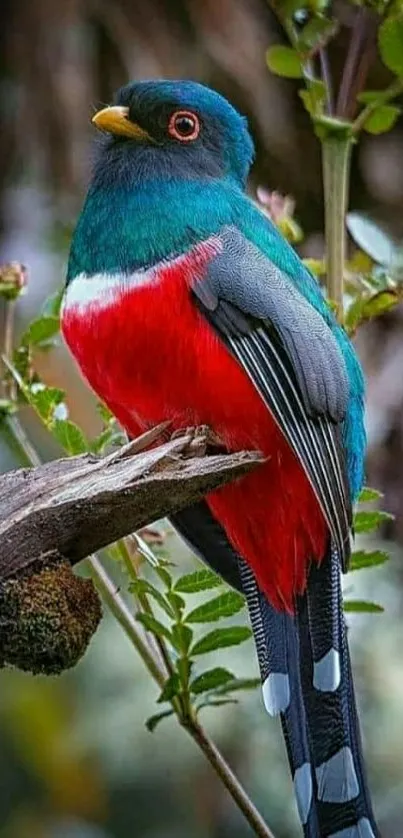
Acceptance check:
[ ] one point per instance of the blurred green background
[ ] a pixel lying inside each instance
(75, 758)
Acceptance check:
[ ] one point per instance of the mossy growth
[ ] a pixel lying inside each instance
(47, 619)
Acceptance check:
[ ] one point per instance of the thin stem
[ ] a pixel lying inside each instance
(124, 617)
(360, 43)
(327, 79)
(236, 790)
(336, 154)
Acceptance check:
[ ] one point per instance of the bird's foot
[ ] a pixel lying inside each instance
(201, 439)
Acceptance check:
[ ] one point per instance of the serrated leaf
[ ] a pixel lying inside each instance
(239, 684)
(153, 721)
(224, 605)
(210, 680)
(221, 638)
(369, 521)
(182, 637)
(142, 586)
(284, 61)
(390, 39)
(370, 558)
(382, 119)
(70, 436)
(41, 331)
(170, 689)
(361, 606)
(367, 494)
(370, 238)
(154, 626)
(200, 580)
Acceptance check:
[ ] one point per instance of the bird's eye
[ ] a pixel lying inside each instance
(184, 126)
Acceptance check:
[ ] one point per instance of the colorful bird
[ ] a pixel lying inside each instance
(184, 303)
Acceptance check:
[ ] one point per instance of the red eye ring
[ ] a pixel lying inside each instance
(184, 126)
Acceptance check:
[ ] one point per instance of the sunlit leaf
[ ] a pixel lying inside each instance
(354, 314)
(155, 626)
(40, 331)
(200, 580)
(380, 303)
(366, 495)
(390, 39)
(370, 238)
(362, 607)
(70, 436)
(370, 558)
(221, 638)
(153, 721)
(284, 61)
(382, 119)
(210, 680)
(369, 521)
(52, 305)
(224, 605)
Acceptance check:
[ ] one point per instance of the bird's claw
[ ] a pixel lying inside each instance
(201, 437)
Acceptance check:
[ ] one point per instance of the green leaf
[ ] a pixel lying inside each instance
(369, 521)
(170, 689)
(52, 304)
(41, 331)
(45, 400)
(152, 624)
(153, 721)
(142, 586)
(224, 605)
(70, 436)
(200, 580)
(184, 666)
(370, 238)
(382, 119)
(177, 602)
(284, 61)
(369, 96)
(216, 702)
(101, 442)
(314, 97)
(220, 639)
(316, 33)
(210, 680)
(380, 303)
(182, 637)
(366, 495)
(164, 575)
(239, 684)
(364, 558)
(390, 39)
(354, 315)
(361, 606)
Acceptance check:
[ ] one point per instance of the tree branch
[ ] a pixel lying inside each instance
(73, 507)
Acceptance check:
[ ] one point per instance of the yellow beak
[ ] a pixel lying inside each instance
(115, 121)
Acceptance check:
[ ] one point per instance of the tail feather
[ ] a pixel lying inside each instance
(306, 676)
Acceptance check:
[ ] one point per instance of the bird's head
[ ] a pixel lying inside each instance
(173, 130)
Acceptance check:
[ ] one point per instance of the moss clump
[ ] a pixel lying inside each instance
(47, 619)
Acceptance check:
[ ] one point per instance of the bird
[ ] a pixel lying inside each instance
(184, 303)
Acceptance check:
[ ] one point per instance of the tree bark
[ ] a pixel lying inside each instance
(73, 507)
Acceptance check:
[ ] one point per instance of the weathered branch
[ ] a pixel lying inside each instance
(72, 507)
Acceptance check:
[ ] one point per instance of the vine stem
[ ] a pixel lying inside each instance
(127, 621)
(336, 156)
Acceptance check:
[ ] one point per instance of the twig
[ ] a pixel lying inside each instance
(357, 62)
(327, 79)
